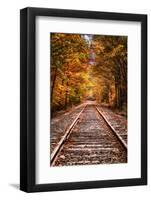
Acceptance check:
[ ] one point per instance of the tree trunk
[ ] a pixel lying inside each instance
(66, 97)
(53, 83)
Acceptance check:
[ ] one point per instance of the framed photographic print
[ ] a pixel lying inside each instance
(83, 99)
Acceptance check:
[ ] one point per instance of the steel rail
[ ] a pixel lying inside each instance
(112, 128)
(64, 138)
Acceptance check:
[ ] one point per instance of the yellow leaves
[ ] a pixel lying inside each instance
(60, 87)
(76, 76)
(117, 51)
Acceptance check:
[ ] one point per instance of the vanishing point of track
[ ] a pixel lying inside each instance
(90, 139)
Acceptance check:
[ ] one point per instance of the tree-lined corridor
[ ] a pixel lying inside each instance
(88, 67)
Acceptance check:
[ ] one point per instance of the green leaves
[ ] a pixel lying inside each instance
(111, 68)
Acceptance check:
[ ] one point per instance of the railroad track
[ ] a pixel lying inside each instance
(90, 139)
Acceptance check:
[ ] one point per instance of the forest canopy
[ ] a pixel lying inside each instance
(88, 67)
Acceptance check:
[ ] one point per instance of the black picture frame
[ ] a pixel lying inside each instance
(28, 99)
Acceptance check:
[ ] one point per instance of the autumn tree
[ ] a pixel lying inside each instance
(86, 65)
(111, 66)
(69, 58)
